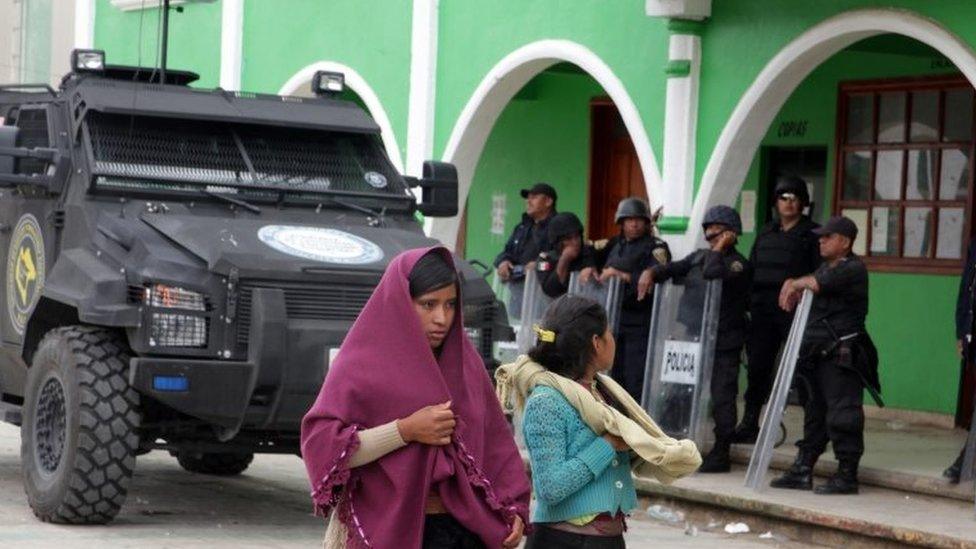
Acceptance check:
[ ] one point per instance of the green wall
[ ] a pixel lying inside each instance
(911, 316)
(475, 35)
(370, 36)
(132, 38)
(542, 135)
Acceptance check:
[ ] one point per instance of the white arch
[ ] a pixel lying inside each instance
(739, 140)
(505, 79)
(302, 79)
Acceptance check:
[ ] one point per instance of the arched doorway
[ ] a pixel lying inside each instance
(737, 144)
(357, 90)
(500, 86)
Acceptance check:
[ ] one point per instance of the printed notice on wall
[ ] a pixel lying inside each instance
(747, 209)
(879, 230)
(498, 213)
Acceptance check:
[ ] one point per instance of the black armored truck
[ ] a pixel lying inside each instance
(181, 266)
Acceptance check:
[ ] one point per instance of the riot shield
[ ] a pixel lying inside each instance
(509, 293)
(609, 294)
(681, 347)
(762, 452)
(534, 305)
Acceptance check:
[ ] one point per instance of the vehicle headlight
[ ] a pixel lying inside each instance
(171, 297)
(171, 327)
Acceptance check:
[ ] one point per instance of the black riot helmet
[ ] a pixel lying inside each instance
(723, 215)
(562, 225)
(791, 184)
(632, 207)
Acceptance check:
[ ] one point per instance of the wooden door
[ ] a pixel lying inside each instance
(615, 171)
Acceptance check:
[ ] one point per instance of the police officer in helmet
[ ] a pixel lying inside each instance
(721, 261)
(566, 253)
(626, 256)
(837, 361)
(785, 248)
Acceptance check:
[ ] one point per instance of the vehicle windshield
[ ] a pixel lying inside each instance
(154, 153)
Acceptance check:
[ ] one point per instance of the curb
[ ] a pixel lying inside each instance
(817, 519)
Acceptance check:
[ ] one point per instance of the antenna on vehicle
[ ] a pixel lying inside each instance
(164, 43)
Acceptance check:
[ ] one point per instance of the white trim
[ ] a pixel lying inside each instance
(680, 126)
(681, 9)
(502, 82)
(84, 31)
(231, 43)
(423, 77)
(737, 145)
(301, 81)
(132, 5)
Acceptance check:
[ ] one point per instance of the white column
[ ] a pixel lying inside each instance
(423, 77)
(231, 34)
(84, 31)
(680, 124)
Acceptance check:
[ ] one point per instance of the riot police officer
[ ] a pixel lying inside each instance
(566, 253)
(626, 256)
(721, 261)
(528, 239)
(837, 361)
(785, 248)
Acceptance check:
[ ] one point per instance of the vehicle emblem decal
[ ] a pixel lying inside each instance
(375, 179)
(319, 244)
(25, 271)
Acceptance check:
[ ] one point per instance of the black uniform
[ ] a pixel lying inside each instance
(546, 269)
(837, 361)
(527, 241)
(736, 274)
(776, 256)
(633, 257)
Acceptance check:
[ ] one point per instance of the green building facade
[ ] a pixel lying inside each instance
(698, 102)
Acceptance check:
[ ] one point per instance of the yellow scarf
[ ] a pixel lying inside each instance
(655, 454)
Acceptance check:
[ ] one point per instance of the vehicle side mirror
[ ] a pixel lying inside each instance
(8, 140)
(439, 186)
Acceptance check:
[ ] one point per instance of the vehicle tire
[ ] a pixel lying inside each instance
(79, 434)
(223, 464)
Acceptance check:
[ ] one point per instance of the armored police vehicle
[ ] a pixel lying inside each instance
(181, 266)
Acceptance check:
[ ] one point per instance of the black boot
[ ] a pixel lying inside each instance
(748, 429)
(800, 474)
(954, 471)
(844, 480)
(717, 460)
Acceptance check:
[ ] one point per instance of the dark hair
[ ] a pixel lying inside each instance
(429, 274)
(574, 320)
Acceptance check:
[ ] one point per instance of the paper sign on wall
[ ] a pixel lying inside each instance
(498, 213)
(747, 209)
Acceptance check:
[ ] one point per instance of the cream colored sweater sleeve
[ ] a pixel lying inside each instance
(375, 443)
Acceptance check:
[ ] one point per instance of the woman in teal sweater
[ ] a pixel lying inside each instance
(581, 480)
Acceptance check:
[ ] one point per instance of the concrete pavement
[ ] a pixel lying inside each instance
(266, 507)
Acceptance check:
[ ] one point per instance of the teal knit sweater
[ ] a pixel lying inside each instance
(574, 472)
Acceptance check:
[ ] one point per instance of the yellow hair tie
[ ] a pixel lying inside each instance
(547, 336)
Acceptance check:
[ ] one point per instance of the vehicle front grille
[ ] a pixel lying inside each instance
(304, 301)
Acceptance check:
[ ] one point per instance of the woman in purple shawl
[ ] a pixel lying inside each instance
(407, 440)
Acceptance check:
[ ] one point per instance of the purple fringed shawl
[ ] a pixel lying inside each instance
(385, 371)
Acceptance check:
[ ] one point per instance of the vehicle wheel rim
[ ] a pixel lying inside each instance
(49, 427)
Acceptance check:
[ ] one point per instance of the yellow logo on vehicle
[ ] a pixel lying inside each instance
(25, 271)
